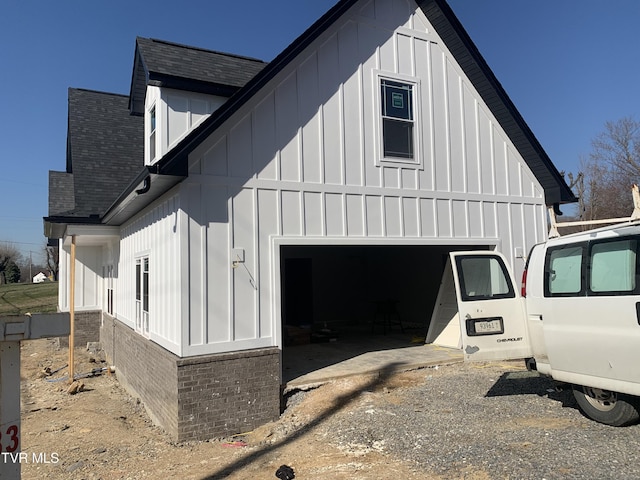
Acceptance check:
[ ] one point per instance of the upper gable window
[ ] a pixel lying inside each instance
(398, 130)
(397, 119)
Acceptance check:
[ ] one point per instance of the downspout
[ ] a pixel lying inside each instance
(146, 186)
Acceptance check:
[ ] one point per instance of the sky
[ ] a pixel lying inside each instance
(569, 66)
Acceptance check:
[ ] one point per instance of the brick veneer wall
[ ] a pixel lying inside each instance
(228, 393)
(196, 398)
(86, 328)
(145, 369)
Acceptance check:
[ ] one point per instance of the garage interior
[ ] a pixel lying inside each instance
(342, 301)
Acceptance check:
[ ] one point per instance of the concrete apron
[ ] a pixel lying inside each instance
(313, 364)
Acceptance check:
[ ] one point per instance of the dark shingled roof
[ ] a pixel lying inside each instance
(105, 151)
(166, 64)
(61, 194)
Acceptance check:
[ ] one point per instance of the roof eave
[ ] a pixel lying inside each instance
(148, 186)
(199, 86)
(55, 226)
(138, 64)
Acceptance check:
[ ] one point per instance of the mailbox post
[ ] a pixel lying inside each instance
(13, 330)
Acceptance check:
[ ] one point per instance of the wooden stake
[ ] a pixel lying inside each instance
(72, 306)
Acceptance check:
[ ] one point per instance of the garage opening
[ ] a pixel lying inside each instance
(342, 301)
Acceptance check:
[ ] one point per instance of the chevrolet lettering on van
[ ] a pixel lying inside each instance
(500, 340)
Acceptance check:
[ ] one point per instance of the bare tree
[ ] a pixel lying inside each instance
(53, 260)
(9, 255)
(619, 147)
(612, 167)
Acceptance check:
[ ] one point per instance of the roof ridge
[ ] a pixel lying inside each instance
(206, 50)
(89, 90)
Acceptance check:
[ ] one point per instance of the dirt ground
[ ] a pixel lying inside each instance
(103, 433)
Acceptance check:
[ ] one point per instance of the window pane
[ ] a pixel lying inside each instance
(613, 266)
(138, 278)
(564, 271)
(145, 286)
(152, 146)
(483, 278)
(397, 138)
(397, 100)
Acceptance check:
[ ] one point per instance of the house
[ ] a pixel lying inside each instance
(225, 200)
(40, 277)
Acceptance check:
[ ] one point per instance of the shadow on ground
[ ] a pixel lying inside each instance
(340, 403)
(530, 383)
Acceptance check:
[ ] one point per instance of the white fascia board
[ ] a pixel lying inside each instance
(91, 234)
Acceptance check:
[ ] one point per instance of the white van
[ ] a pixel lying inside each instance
(576, 317)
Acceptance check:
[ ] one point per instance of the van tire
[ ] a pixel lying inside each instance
(610, 408)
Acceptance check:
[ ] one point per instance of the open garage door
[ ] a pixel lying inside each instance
(359, 298)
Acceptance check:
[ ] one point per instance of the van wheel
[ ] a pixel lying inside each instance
(610, 408)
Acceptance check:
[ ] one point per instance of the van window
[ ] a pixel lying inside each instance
(563, 272)
(483, 278)
(613, 267)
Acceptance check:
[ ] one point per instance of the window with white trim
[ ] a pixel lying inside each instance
(397, 111)
(142, 295)
(152, 133)
(398, 122)
(108, 276)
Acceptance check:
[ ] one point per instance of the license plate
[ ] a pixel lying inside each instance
(485, 326)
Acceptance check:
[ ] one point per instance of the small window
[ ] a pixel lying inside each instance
(483, 277)
(397, 119)
(108, 274)
(142, 295)
(152, 133)
(563, 271)
(613, 267)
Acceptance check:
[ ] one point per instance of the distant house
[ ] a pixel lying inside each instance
(225, 199)
(40, 277)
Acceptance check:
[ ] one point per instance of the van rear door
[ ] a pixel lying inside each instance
(491, 311)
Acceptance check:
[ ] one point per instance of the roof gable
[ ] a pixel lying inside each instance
(108, 168)
(466, 54)
(165, 64)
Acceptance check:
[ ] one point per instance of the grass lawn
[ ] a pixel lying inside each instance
(20, 298)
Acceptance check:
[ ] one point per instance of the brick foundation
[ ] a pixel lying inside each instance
(86, 328)
(196, 398)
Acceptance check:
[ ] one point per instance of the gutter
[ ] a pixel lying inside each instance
(146, 187)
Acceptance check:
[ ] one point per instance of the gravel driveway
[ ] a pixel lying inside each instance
(486, 421)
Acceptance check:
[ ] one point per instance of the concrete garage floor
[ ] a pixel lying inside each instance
(314, 363)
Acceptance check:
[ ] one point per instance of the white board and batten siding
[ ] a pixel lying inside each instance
(88, 279)
(299, 163)
(177, 113)
(155, 234)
